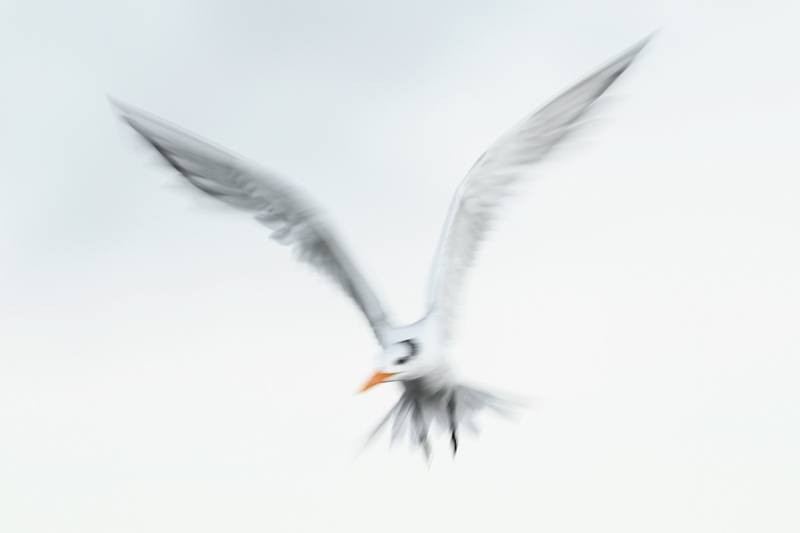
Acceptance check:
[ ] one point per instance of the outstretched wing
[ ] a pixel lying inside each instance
(239, 183)
(479, 195)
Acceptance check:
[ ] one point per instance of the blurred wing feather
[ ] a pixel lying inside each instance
(234, 180)
(488, 182)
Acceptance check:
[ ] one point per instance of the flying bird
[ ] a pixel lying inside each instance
(414, 354)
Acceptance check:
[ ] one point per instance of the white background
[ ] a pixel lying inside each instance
(165, 367)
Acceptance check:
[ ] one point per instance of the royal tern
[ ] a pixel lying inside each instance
(415, 354)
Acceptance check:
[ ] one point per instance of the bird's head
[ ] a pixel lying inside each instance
(401, 361)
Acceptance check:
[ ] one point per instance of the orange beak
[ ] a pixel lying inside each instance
(376, 379)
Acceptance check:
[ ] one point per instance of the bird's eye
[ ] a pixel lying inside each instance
(413, 347)
(412, 352)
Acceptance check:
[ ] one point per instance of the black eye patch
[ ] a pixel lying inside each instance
(413, 348)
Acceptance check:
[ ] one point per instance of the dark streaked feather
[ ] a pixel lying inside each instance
(234, 180)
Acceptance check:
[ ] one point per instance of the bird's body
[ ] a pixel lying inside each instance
(417, 354)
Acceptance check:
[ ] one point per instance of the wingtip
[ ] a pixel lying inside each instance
(624, 59)
(123, 110)
(641, 43)
(115, 103)
(130, 113)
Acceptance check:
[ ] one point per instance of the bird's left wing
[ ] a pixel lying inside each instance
(479, 195)
(239, 183)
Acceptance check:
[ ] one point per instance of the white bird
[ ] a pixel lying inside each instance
(415, 354)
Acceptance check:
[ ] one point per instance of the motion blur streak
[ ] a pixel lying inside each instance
(414, 354)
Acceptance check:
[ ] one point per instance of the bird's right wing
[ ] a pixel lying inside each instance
(479, 195)
(239, 183)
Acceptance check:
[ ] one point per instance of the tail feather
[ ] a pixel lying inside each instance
(415, 413)
(400, 417)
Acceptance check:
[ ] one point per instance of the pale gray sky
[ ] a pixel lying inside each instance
(164, 367)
